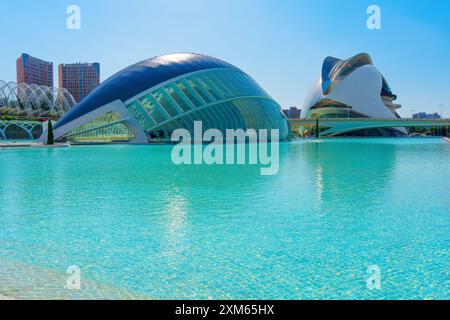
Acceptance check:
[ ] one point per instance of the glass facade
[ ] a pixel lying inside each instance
(107, 128)
(220, 98)
(212, 91)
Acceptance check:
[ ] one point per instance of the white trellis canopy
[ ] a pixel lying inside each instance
(34, 101)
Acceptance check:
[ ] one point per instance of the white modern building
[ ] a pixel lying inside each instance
(353, 88)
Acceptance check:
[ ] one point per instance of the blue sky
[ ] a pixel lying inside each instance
(280, 43)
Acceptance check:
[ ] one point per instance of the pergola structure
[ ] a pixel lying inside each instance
(32, 101)
(20, 129)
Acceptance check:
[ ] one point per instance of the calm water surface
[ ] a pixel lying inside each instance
(131, 219)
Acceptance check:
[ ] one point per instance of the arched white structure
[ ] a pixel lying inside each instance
(20, 129)
(34, 101)
(353, 88)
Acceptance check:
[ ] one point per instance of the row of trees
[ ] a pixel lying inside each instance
(430, 131)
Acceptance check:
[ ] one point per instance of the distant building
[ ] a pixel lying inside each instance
(31, 70)
(79, 78)
(292, 113)
(423, 115)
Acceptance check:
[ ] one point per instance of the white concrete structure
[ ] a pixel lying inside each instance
(353, 88)
(115, 108)
(34, 101)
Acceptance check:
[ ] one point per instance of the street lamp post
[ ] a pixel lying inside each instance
(442, 107)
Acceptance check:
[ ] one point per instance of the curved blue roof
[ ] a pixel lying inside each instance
(140, 77)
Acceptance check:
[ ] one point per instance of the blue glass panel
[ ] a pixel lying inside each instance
(140, 77)
(159, 96)
(188, 94)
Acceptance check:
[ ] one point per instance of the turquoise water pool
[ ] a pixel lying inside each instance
(130, 219)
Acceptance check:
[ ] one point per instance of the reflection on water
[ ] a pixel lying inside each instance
(348, 174)
(131, 219)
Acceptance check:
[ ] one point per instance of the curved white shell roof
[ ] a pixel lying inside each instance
(354, 83)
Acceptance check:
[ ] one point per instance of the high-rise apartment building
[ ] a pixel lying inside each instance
(32, 70)
(79, 78)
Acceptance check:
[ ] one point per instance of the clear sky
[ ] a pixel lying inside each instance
(279, 43)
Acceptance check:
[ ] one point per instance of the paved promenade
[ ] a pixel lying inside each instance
(9, 145)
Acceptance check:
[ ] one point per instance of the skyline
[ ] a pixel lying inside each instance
(282, 45)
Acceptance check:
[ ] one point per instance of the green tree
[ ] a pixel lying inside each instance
(50, 137)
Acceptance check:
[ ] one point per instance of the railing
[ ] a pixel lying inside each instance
(369, 119)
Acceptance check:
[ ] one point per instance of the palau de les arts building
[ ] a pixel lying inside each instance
(147, 101)
(353, 88)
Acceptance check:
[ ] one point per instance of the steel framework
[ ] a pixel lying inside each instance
(33, 101)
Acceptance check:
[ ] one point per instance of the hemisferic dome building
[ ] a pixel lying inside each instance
(353, 88)
(147, 101)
